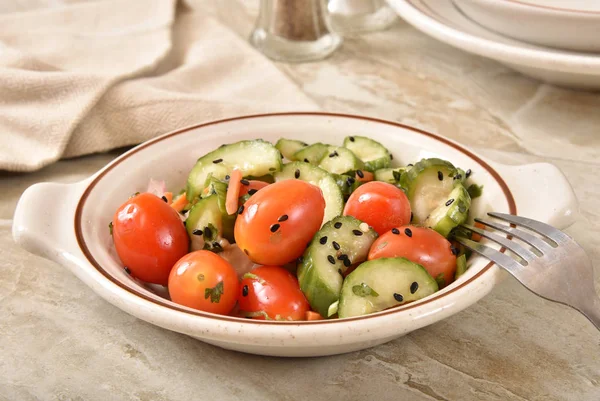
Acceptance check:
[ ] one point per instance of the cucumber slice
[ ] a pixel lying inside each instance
(334, 202)
(320, 273)
(312, 154)
(461, 266)
(208, 221)
(346, 183)
(340, 160)
(372, 153)
(428, 185)
(288, 147)
(383, 283)
(451, 213)
(253, 158)
(389, 175)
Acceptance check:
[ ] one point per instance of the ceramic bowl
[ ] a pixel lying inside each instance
(564, 24)
(68, 223)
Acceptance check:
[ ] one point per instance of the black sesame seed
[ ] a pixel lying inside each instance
(197, 232)
(338, 225)
(449, 202)
(342, 256)
(347, 262)
(414, 287)
(283, 217)
(409, 165)
(127, 270)
(408, 232)
(241, 209)
(217, 161)
(274, 227)
(323, 240)
(216, 245)
(350, 180)
(398, 297)
(351, 139)
(395, 231)
(391, 156)
(440, 175)
(252, 191)
(358, 233)
(245, 181)
(227, 177)
(164, 198)
(246, 251)
(331, 259)
(468, 173)
(336, 246)
(208, 232)
(297, 173)
(245, 291)
(458, 177)
(455, 251)
(304, 144)
(306, 161)
(334, 154)
(411, 216)
(281, 154)
(360, 173)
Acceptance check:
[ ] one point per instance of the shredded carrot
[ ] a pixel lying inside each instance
(233, 191)
(310, 315)
(366, 176)
(169, 196)
(474, 236)
(179, 203)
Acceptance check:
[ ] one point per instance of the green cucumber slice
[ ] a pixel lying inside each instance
(288, 147)
(253, 158)
(461, 266)
(208, 221)
(374, 155)
(424, 188)
(346, 183)
(320, 273)
(389, 175)
(451, 213)
(312, 154)
(383, 283)
(340, 160)
(334, 202)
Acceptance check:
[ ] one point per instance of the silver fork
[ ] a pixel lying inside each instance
(556, 268)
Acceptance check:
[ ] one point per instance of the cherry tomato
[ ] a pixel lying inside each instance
(253, 186)
(380, 205)
(149, 237)
(420, 245)
(272, 292)
(278, 221)
(203, 280)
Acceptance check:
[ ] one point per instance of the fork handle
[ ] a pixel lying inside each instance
(592, 310)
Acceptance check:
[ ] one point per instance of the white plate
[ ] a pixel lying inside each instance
(442, 20)
(68, 223)
(573, 25)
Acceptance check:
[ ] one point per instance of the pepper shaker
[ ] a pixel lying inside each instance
(294, 31)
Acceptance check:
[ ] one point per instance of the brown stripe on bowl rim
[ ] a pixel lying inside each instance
(169, 305)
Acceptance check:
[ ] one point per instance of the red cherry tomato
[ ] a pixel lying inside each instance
(271, 292)
(253, 186)
(278, 221)
(380, 205)
(149, 237)
(420, 245)
(203, 280)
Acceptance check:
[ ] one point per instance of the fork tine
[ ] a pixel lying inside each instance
(514, 247)
(541, 228)
(536, 242)
(501, 259)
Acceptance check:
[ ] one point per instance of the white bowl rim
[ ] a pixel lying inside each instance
(173, 307)
(525, 3)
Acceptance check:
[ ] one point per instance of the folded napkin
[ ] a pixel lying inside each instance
(78, 77)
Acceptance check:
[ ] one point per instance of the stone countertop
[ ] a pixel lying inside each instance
(60, 341)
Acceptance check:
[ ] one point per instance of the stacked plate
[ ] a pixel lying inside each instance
(557, 41)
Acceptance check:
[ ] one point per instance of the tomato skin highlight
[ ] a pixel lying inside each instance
(379, 204)
(425, 247)
(195, 281)
(274, 291)
(149, 237)
(278, 221)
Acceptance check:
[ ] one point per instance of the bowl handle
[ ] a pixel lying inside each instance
(541, 192)
(44, 219)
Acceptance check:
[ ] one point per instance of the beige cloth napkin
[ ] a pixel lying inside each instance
(78, 77)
